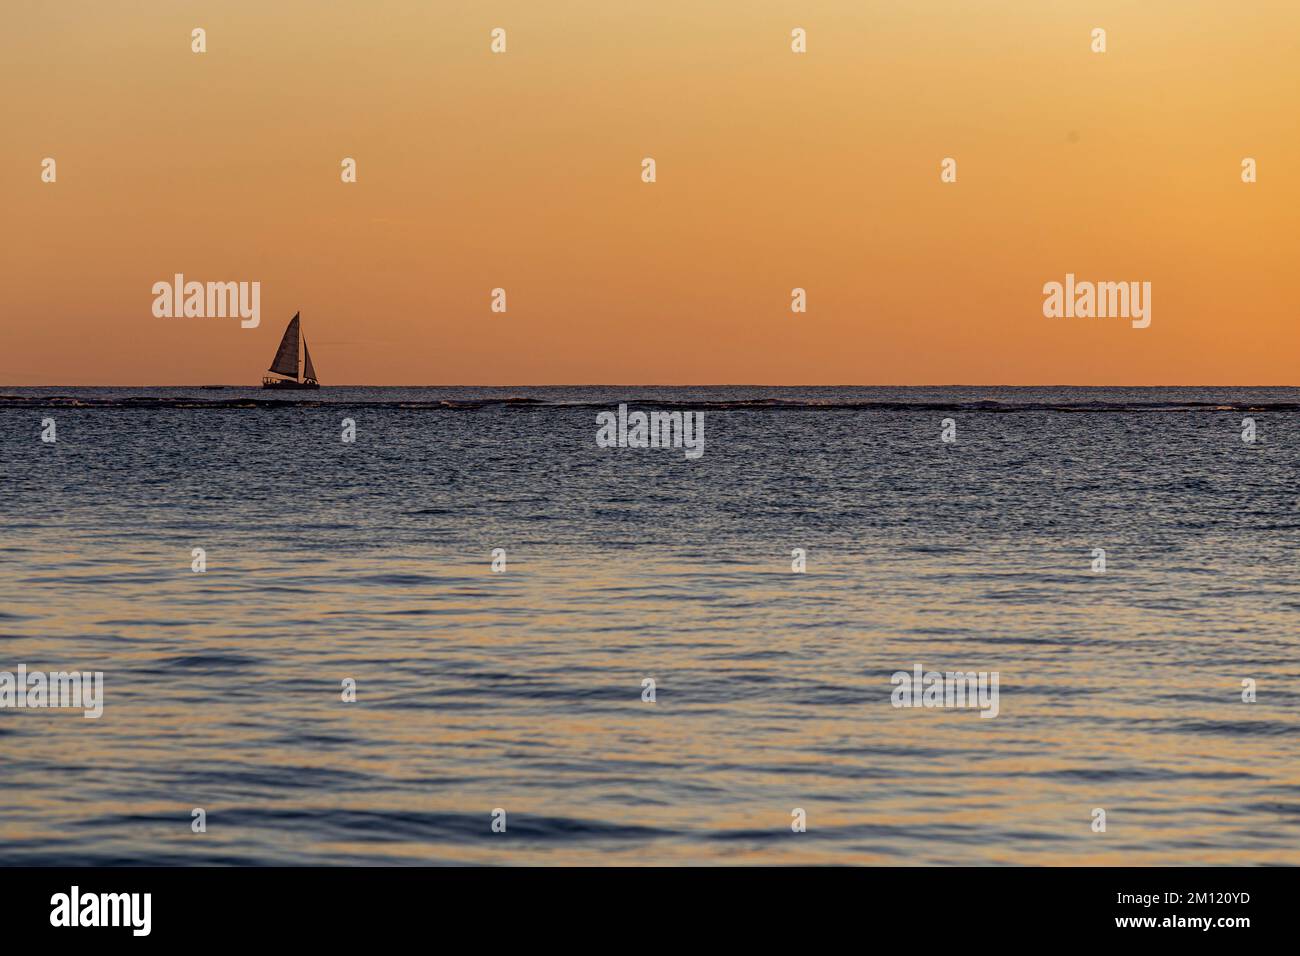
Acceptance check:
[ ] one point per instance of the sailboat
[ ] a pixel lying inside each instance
(286, 361)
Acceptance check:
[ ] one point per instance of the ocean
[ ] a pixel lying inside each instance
(523, 689)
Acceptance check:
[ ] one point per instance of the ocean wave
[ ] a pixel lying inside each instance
(149, 403)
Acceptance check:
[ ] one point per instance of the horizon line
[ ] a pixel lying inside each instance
(258, 387)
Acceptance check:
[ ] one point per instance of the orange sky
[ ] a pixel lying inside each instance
(775, 170)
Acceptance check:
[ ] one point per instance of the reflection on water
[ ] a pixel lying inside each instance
(523, 690)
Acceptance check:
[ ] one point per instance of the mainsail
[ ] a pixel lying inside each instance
(308, 372)
(286, 359)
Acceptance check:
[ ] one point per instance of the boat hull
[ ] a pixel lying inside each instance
(287, 383)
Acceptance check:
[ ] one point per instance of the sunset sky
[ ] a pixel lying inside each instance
(775, 171)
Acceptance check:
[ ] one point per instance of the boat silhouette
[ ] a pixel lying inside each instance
(287, 361)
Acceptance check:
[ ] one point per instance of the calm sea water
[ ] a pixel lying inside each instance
(523, 690)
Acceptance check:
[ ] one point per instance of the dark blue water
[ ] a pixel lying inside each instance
(522, 689)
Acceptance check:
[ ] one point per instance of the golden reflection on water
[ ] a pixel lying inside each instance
(522, 690)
